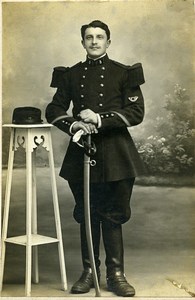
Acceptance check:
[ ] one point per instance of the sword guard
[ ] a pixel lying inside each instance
(90, 149)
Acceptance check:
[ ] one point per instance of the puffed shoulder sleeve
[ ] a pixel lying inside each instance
(58, 76)
(56, 110)
(131, 111)
(136, 75)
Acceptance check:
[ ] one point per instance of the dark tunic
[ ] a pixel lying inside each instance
(112, 90)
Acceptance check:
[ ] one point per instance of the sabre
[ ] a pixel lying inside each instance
(181, 286)
(89, 151)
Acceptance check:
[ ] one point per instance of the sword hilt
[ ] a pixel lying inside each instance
(89, 146)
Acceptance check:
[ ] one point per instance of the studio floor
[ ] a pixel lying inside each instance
(159, 242)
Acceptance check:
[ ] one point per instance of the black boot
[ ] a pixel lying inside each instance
(113, 243)
(85, 282)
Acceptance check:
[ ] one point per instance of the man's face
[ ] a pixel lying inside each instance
(95, 42)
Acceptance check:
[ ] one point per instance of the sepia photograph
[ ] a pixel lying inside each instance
(98, 157)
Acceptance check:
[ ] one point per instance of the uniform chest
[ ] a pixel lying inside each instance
(95, 86)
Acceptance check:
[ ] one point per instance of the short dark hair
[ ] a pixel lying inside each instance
(94, 24)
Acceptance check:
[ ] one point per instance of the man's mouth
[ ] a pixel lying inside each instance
(94, 48)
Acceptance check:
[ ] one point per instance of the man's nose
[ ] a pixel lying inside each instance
(94, 40)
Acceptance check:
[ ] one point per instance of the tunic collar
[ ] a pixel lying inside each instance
(97, 62)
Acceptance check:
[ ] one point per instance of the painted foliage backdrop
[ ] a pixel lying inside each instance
(40, 35)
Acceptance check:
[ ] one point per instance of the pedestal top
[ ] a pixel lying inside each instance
(42, 125)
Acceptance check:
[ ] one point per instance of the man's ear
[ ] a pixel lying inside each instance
(83, 43)
(108, 43)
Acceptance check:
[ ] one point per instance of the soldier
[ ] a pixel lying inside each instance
(106, 100)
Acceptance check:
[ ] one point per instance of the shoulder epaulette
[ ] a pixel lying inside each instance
(57, 76)
(136, 75)
(120, 65)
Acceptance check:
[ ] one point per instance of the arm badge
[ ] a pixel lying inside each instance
(133, 99)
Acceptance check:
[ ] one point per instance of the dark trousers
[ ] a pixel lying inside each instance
(108, 201)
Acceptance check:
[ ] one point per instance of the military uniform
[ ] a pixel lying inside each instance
(111, 90)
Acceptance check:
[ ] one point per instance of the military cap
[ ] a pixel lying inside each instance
(26, 115)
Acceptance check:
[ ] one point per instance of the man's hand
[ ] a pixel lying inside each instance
(88, 116)
(88, 128)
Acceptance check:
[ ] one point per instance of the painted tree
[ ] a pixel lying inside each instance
(171, 148)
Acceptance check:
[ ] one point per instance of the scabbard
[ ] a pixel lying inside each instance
(87, 164)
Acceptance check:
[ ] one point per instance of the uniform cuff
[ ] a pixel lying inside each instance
(99, 121)
(70, 129)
